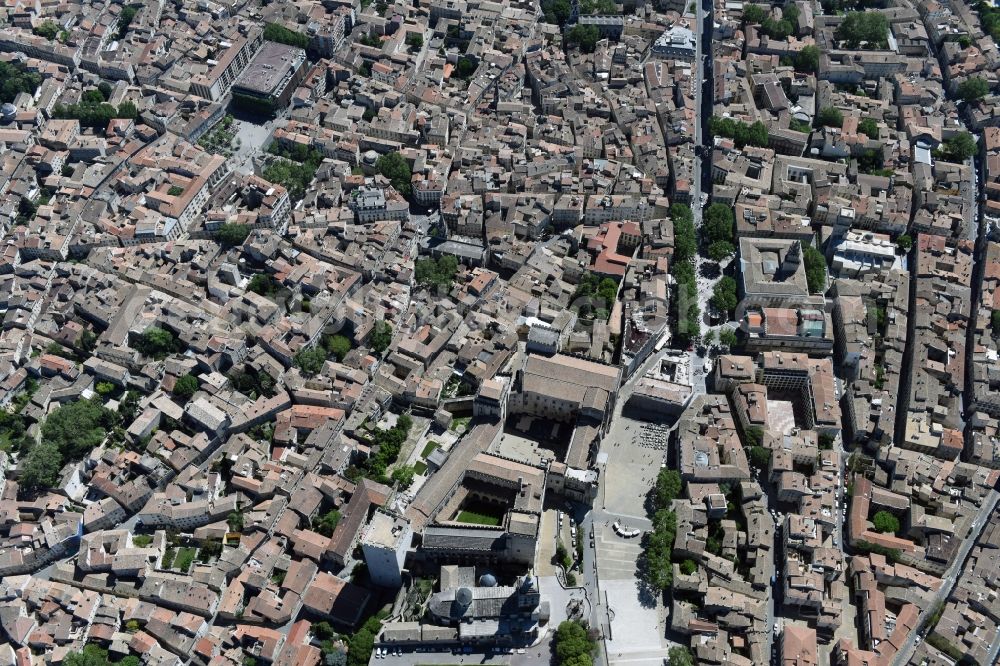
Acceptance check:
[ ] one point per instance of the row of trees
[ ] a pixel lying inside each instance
(724, 295)
(95, 115)
(815, 264)
(868, 28)
(275, 32)
(718, 231)
(659, 544)
(741, 133)
(682, 270)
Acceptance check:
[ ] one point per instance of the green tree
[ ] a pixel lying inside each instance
(436, 273)
(156, 342)
(556, 12)
(718, 224)
(323, 630)
(275, 32)
(326, 524)
(807, 60)
(381, 336)
(15, 79)
(724, 294)
(185, 387)
(338, 346)
(995, 322)
(680, 656)
(727, 337)
(465, 67)
(414, 40)
(125, 20)
(294, 177)
(741, 133)
(685, 238)
(755, 435)
(583, 36)
(235, 521)
(760, 457)
(668, 488)
(403, 475)
(688, 567)
(92, 96)
(573, 645)
(394, 167)
(869, 128)
(78, 427)
(47, 29)
(310, 360)
(973, 88)
(40, 468)
(885, 522)
(719, 250)
(829, 116)
(960, 147)
(904, 242)
(105, 89)
(91, 655)
(815, 269)
(869, 28)
(231, 235)
(753, 14)
(127, 110)
(104, 389)
(263, 284)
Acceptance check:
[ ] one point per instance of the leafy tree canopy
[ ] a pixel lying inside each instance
(583, 36)
(724, 294)
(973, 88)
(885, 522)
(231, 235)
(829, 116)
(15, 79)
(381, 336)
